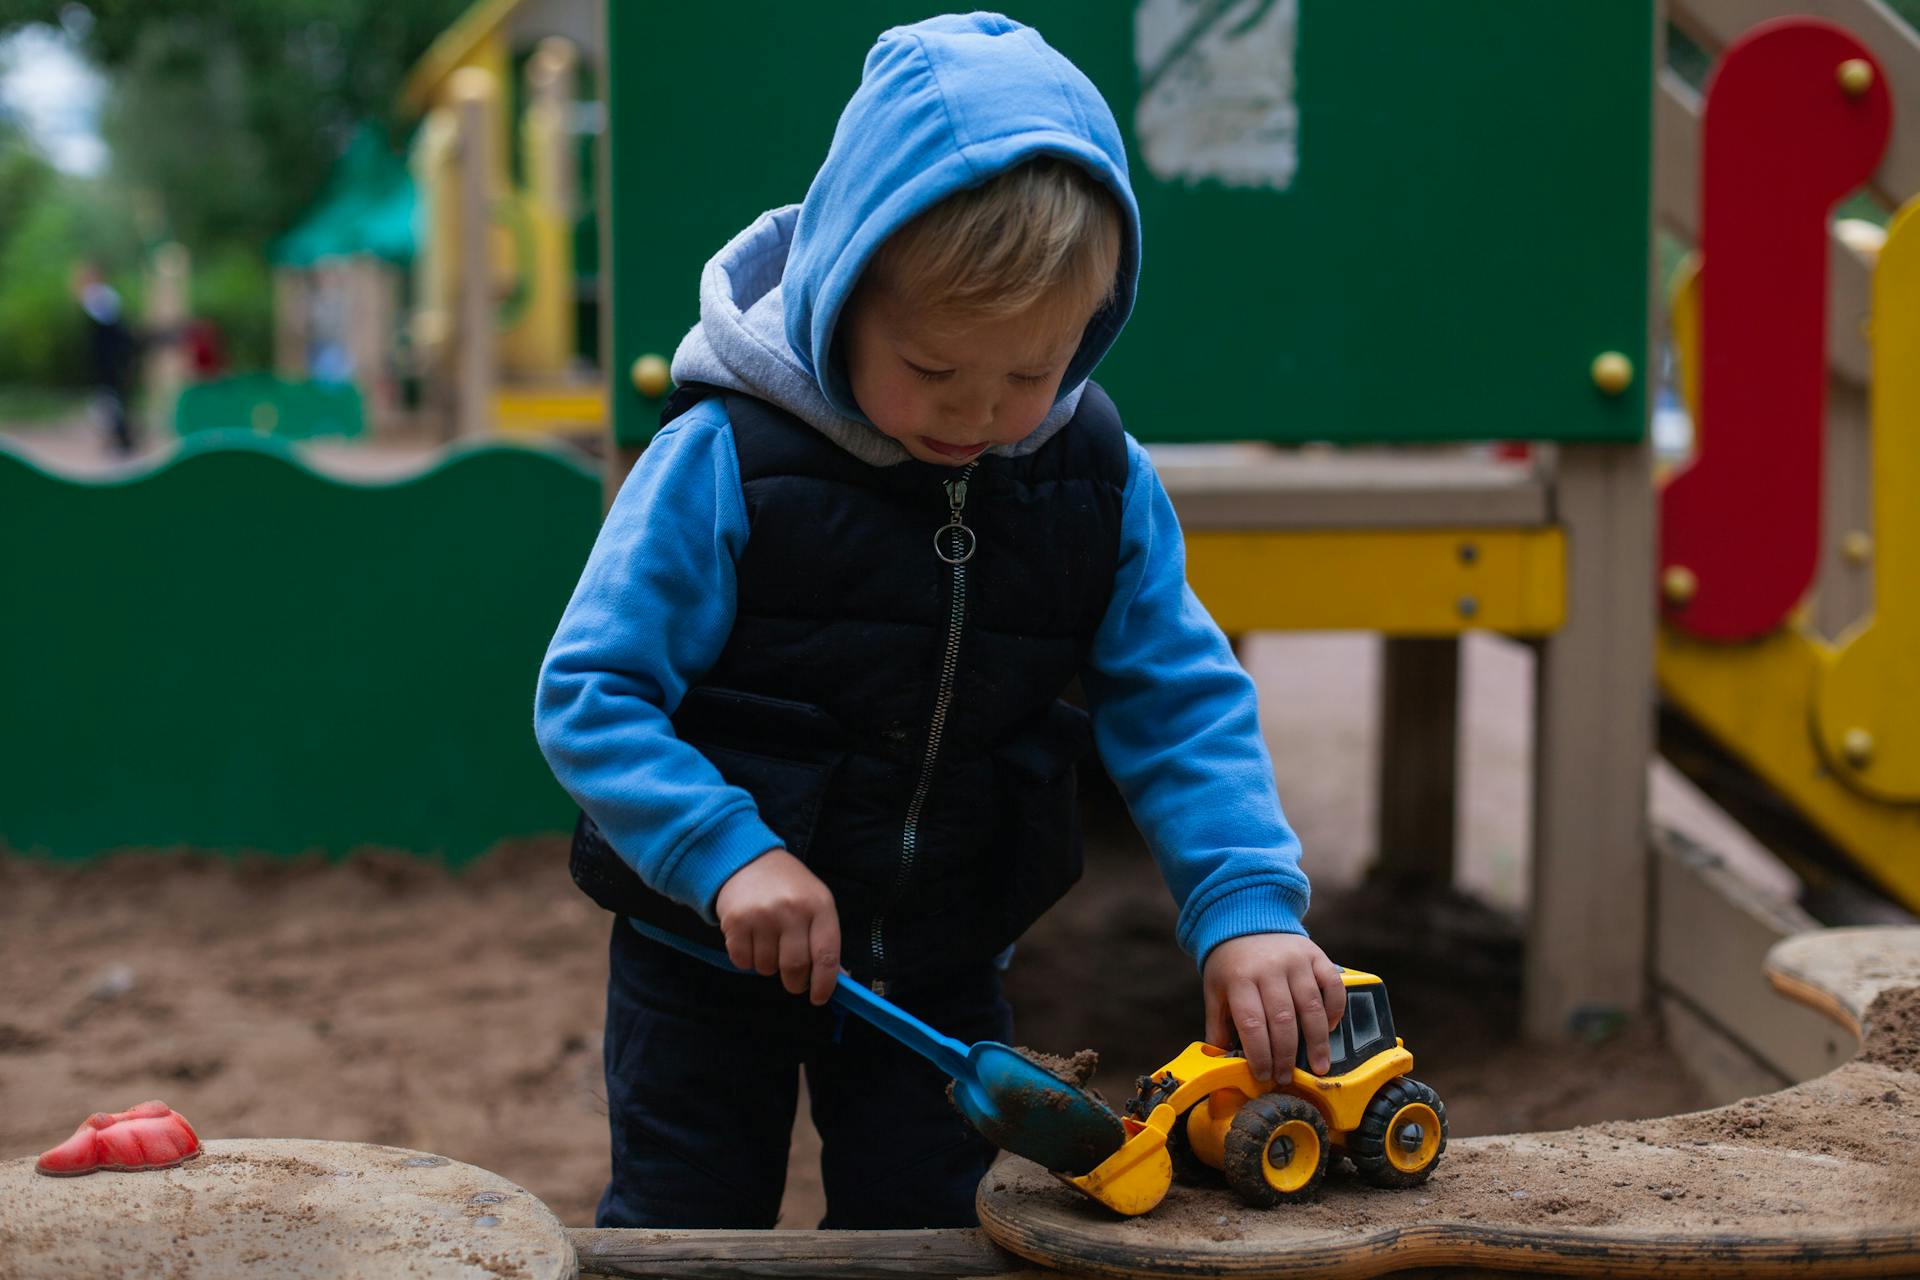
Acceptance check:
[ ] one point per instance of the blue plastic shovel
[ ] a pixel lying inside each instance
(1016, 1103)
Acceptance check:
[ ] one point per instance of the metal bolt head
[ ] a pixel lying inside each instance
(1612, 372)
(1467, 606)
(1410, 1137)
(1856, 744)
(1855, 76)
(651, 377)
(1857, 546)
(1469, 553)
(1280, 1152)
(1679, 584)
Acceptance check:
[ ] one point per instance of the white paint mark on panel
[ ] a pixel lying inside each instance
(1216, 90)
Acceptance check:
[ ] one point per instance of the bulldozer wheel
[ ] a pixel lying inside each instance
(1400, 1138)
(1276, 1150)
(1188, 1168)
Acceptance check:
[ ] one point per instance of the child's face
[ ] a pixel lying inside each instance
(949, 392)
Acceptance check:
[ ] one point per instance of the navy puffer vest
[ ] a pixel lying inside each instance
(892, 704)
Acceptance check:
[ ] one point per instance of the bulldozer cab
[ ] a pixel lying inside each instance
(1365, 1029)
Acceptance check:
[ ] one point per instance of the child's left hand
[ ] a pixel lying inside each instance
(1265, 990)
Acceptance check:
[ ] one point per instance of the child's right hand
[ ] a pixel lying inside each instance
(780, 918)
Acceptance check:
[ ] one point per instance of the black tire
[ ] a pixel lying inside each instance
(1256, 1135)
(1188, 1168)
(1398, 1144)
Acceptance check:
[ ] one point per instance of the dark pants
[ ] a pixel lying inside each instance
(702, 1078)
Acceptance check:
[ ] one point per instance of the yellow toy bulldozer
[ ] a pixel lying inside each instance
(1272, 1139)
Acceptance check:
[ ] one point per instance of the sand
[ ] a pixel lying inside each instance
(386, 1000)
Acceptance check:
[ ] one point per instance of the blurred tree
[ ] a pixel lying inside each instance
(231, 112)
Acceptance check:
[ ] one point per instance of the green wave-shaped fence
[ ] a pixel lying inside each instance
(233, 651)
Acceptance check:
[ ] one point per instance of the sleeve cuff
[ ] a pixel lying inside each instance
(1269, 906)
(710, 856)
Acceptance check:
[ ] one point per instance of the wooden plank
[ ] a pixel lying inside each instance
(1676, 155)
(1714, 24)
(843, 1255)
(1419, 747)
(1255, 487)
(1712, 934)
(476, 358)
(1839, 972)
(1587, 931)
(1723, 1067)
(1843, 585)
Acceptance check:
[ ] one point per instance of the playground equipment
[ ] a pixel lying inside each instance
(240, 650)
(1366, 301)
(270, 406)
(1273, 1140)
(504, 324)
(337, 286)
(1790, 582)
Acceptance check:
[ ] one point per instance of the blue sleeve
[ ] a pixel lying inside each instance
(653, 610)
(1178, 727)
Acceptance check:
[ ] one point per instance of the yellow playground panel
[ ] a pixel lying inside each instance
(1834, 726)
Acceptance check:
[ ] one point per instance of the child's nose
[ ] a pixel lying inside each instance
(973, 413)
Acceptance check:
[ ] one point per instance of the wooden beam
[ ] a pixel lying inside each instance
(1587, 931)
(1419, 750)
(842, 1255)
(1843, 585)
(1712, 933)
(1259, 487)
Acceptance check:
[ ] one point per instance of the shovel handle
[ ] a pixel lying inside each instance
(885, 1016)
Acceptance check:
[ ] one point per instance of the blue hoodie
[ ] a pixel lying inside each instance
(943, 105)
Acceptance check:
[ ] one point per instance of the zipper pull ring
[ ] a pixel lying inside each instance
(953, 541)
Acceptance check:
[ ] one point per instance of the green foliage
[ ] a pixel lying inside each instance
(45, 336)
(233, 111)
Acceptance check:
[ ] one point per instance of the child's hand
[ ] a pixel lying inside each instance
(779, 918)
(1267, 989)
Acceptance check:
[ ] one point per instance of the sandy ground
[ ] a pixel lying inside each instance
(385, 1000)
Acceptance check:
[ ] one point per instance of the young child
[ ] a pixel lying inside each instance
(808, 686)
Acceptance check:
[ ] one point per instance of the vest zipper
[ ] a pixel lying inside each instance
(954, 543)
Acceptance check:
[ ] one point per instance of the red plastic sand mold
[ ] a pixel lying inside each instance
(149, 1136)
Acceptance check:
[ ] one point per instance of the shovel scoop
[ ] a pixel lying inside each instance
(1015, 1103)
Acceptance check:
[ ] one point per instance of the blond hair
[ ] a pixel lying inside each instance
(1045, 233)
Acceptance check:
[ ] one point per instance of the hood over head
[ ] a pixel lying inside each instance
(943, 105)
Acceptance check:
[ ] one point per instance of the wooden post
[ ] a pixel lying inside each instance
(620, 457)
(1588, 954)
(475, 361)
(1419, 747)
(1843, 591)
(167, 287)
(1587, 933)
(290, 323)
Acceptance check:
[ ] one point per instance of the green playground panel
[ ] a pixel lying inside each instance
(268, 405)
(235, 652)
(1467, 227)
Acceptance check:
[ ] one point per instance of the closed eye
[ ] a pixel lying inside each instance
(1029, 378)
(928, 375)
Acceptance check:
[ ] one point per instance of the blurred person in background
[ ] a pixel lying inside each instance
(113, 348)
